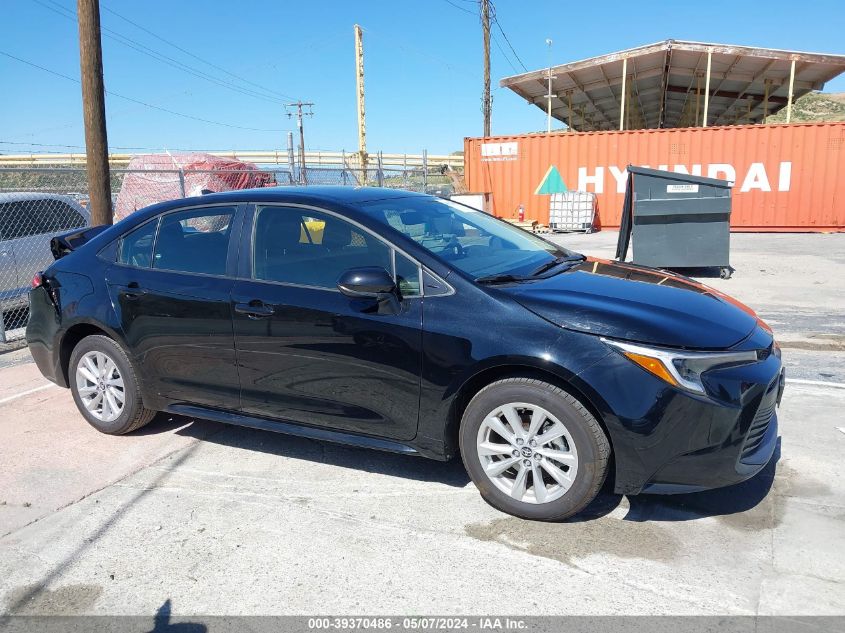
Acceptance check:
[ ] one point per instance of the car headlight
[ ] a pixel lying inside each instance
(679, 368)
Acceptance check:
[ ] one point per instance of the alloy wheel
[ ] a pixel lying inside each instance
(100, 386)
(527, 453)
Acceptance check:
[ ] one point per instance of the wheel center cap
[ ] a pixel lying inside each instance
(526, 451)
(101, 385)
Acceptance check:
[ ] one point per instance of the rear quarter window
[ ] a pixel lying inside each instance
(136, 247)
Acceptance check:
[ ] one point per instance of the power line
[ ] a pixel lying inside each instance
(161, 57)
(158, 56)
(460, 8)
(495, 20)
(113, 113)
(190, 54)
(421, 53)
(502, 51)
(502, 31)
(139, 102)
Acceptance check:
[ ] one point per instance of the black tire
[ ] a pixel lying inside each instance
(591, 443)
(134, 415)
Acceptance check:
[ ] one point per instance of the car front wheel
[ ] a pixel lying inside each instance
(105, 387)
(533, 450)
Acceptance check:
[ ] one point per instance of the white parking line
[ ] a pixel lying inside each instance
(27, 392)
(816, 383)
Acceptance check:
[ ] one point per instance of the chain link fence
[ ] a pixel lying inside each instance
(38, 203)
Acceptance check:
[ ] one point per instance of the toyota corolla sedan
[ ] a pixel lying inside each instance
(407, 323)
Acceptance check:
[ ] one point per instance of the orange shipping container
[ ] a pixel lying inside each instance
(787, 177)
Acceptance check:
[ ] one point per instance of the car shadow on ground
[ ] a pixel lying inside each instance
(683, 507)
(451, 473)
(730, 500)
(165, 422)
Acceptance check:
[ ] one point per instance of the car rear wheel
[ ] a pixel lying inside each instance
(105, 387)
(533, 450)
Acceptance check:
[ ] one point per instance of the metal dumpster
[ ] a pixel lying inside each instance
(676, 220)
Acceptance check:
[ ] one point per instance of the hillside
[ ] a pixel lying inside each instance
(814, 106)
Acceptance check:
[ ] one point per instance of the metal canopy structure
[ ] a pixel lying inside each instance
(675, 84)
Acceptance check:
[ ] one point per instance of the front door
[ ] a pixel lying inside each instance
(308, 354)
(171, 289)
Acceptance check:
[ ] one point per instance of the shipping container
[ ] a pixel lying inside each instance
(787, 177)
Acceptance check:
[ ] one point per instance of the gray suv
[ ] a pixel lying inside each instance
(27, 222)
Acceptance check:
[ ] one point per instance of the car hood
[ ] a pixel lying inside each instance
(634, 303)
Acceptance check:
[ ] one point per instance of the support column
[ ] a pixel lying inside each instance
(624, 93)
(707, 89)
(697, 98)
(767, 83)
(791, 89)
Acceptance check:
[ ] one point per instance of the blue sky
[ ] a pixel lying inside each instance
(422, 58)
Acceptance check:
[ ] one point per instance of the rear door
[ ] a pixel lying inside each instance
(171, 289)
(307, 353)
(12, 227)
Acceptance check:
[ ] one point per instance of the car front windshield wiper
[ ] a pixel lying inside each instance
(557, 261)
(501, 279)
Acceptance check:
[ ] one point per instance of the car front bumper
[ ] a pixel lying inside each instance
(668, 441)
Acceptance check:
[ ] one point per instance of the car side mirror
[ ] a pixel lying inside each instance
(370, 282)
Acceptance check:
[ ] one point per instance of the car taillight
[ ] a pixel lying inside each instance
(37, 280)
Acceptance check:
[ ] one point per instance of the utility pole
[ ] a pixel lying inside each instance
(303, 180)
(359, 96)
(486, 104)
(94, 112)
(291, 164)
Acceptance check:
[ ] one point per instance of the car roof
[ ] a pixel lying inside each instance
(18, 196)
(24, 196)
(288, 194)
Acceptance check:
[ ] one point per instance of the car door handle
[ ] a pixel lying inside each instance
(255, 309)
(132, 290)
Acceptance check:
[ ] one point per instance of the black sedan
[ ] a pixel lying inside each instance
(407, 323)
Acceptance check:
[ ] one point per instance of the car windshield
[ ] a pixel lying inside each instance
(471, 240)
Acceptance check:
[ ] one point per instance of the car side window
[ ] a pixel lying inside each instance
(407, 276)
(23, 218)
(59, 216)
(194, 241)
(136, 247)
(311, 248)
(15, 222)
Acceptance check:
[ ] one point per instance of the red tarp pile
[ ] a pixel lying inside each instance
(143, 186)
